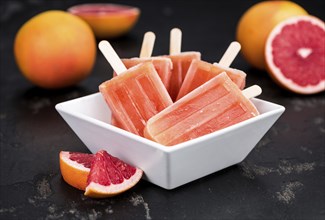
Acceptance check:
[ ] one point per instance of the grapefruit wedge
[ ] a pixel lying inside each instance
(110, 176)
(295, 54)
(75, 168)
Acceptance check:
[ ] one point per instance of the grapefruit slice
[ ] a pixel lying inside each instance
(295, 54)
(75, 168)
(110, 176)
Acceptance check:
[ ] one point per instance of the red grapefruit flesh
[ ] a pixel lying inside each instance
(295, 54)
(110, 176)
(75, 168)
(107, 20)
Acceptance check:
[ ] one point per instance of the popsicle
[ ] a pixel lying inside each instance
(214, 105)
(135, 94)
(199, 71)
(163, 65)
(181, 62)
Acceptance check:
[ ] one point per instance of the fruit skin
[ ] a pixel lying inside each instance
(74, 174)
(107, 20)
(305, 66)
(257, 22)
(55, 49)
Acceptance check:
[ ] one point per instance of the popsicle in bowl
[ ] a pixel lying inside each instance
(163, 65)
(135, 94)
(200, 71)
(181, 62)
(214, 105)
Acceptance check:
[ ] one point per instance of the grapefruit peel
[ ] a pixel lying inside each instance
(73, 172)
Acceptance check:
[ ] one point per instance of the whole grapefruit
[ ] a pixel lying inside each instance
(55, 49)
(295, 54)
(257, 22)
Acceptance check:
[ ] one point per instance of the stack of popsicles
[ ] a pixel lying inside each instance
(176, 98)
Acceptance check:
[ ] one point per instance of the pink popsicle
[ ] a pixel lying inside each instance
(199, 72)
(216, 104)
(163, 65)
(134, 95)
(181, 62)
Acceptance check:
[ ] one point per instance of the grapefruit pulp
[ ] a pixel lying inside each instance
(110, 176)
(295, 54)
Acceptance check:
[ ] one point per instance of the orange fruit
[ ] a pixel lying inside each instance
(295, 54)
(55, 49)
(257, 22)
(110, 176)
(75, 168)
(107, 20)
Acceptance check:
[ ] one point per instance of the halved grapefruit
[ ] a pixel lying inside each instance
(295, 54)
(107, 20)
(75, 168)
(110, 176)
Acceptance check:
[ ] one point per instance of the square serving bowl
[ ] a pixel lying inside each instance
(168, 167)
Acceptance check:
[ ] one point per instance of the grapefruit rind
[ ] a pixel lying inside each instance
(73, 173)
(96, 190)
(276, 73)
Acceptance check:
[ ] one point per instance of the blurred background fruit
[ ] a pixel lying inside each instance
(55, 49)
(107, 20)
(295, 54)
(257, 22)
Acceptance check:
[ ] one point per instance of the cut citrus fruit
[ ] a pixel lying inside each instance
(295, 54)
(257, 22)
(75, 168)
(107, 20)
(110, 176)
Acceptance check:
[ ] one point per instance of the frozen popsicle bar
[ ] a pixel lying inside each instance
(200, 71)
(135, 94)
(216, 104)
(181, 63)
(163, 66)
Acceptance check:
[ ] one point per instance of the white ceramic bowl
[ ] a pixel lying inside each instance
(167, 167)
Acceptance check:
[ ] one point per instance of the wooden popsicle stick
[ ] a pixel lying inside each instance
(175, 41)
(111, 56)
(147, 44)
(252, 91)
(230, 54)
